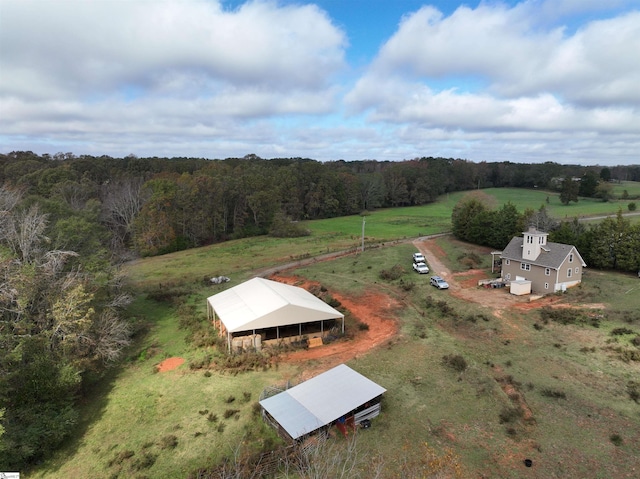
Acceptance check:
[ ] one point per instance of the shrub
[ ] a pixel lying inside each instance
(212, 417)
(407, 285)
(168, 442)
(230, 399)
(121, 457)
(283, 227)
(616, 439)
(633, 389)
(455, 362)
(144, 462)
(632, 206)
(553, 393)
(230, 413)
(333, 302)
(363, 326)
(621, 331)
(395, 272)
(568, 316)
(470, 260)
(636, 341)
(509, 415)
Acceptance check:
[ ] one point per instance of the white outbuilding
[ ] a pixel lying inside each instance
(339, 396)
(261, 310)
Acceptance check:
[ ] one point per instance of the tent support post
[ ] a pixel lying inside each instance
(343, 325)
(229, 340)
(321, 328)
(277, 332)
(254, 339)
(300, 329)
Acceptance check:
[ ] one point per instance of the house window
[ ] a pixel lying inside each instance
(570, 257)
(508, 276)
(525, 266)
(569, 273)
(508, 262)
(547, 271)
(546, 285)
(577, 270)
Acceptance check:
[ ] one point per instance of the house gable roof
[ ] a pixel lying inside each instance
(261, 303)
(552, 255)
(321, 400)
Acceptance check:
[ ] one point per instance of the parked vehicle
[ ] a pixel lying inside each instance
(421, 268)
(419, 258)
(439, 283)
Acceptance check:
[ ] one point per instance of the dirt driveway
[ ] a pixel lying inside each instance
(376, 309)
(464, 285)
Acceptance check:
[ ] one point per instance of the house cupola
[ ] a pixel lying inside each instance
(534, 243)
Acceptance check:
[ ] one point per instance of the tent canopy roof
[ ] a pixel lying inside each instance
(261, 303)
(321, 400)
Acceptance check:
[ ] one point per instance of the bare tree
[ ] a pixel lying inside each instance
(111, 335)
(121, 202)
(9, 198)
(24, 233)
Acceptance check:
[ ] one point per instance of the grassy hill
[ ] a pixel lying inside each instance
(577, 380)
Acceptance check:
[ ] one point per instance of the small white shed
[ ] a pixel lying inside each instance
(520, 287)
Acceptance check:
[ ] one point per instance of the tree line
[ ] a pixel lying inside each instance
(614, 243)
(151, 206)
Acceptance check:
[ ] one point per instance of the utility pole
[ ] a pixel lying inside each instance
(363, 221)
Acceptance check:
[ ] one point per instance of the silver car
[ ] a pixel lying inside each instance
(421, 268)
(439, 283)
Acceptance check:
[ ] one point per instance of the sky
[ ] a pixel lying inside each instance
(521, 81)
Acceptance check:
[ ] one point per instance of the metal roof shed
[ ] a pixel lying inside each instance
(319, 401)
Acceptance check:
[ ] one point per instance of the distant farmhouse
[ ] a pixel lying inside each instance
(533, 265)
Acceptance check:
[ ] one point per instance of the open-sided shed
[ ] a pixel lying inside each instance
(319, 402)
(269, 309)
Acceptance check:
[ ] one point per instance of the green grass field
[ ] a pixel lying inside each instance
(141, 423)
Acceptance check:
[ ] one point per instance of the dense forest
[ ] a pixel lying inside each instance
(149, 206)
(67, 221)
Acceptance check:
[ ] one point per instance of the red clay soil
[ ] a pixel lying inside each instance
(373, 308)
(169, 364)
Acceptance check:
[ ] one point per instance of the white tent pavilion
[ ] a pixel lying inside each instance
(260, 305)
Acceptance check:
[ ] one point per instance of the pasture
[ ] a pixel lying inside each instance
(560, 394)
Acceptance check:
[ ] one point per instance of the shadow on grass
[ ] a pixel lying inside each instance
(91, 407)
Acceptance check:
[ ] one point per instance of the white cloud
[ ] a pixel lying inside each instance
(187, 48)
(541, 80)
(530, 79)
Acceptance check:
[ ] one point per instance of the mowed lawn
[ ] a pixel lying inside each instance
(142, 423)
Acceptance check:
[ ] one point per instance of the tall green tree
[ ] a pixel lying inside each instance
(569, 191)
(613, 244)
(464, 216)
(588, 184)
